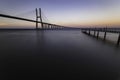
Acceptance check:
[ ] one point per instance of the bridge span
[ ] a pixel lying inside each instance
(38, 20)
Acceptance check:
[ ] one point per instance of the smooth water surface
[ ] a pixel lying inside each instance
(59, 54)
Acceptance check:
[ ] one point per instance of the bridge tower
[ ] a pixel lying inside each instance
(39, 16)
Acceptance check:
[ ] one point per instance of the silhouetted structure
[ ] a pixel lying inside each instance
(44, 25)
(105, 30)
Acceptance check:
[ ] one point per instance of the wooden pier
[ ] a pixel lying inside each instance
(105, 30)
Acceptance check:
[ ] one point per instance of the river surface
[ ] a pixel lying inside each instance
(57, 54)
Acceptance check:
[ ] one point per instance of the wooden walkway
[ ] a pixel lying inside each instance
(105, 30)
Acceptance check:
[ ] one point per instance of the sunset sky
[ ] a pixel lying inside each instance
(75, 13)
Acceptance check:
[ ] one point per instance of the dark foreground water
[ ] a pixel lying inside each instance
(68, 54)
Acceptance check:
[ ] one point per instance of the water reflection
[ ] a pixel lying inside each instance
(57, 54)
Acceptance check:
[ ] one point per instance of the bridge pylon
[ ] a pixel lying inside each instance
(39, 16)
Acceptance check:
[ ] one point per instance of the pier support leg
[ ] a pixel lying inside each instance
(45, 26)
(48, 26)
(51, 27)
(42, 27)
(118, 39)
(94, 32)
(105, 35)
(89, 32)
(97, 34)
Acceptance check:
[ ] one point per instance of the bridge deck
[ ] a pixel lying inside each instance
(24, 19)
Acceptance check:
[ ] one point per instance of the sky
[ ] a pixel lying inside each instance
(74, 13)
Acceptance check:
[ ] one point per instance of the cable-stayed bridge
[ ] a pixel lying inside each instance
(42, 20)
(39, 20)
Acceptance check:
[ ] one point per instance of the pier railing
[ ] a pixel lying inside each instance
(105, 30)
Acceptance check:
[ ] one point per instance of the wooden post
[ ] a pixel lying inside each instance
(43, 27)
(36, 18)
(97, 34)
(54, 26)
(51, 27)
(105, 34)
(40, 13)
(89, 32)
(118, 39)
(48, 26)
(94, 32)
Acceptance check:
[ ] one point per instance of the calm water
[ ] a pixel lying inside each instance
(67, 54)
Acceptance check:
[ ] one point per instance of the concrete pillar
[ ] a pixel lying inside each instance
(36, 18)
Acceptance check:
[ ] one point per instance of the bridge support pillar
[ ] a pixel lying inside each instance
(39, 17)
(36, 18)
